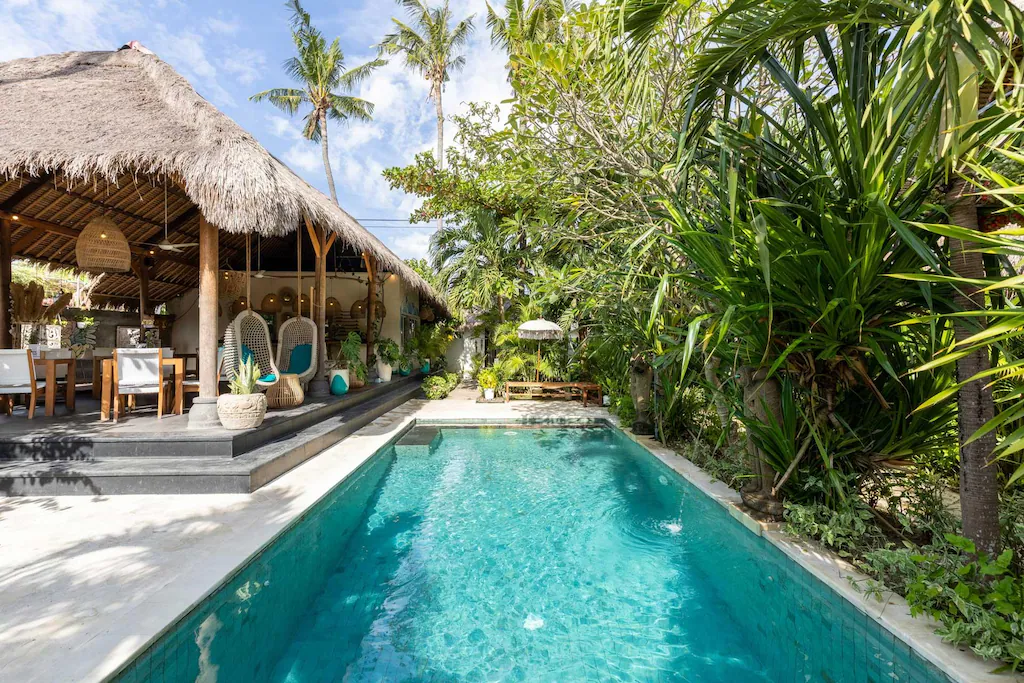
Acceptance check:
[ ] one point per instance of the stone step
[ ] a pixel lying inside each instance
(195, 474)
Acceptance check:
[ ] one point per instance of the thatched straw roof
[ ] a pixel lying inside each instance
(104, 129)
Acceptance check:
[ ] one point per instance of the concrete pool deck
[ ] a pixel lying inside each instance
(88, 582)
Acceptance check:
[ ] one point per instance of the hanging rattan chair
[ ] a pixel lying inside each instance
(294, 335)
(248, 336)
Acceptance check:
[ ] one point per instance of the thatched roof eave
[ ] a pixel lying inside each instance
(97, 117)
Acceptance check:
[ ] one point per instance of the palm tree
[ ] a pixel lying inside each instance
(320, 68)
(480, 264)
(525, 22)
(430, 47)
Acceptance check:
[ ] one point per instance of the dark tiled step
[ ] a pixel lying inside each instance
(192, 474)
(77, 438)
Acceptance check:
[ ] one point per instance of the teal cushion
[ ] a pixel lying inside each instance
(247, 355)
(269, 377)
(301, 359)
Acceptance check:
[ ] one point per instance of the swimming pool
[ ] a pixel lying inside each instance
(550, 554)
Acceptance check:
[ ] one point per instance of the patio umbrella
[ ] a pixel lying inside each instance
(539, 329)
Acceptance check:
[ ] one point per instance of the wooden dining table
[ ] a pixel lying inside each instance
(177, 364)
(49, 366)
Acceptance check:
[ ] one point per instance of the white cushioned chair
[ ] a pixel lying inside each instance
(18, 377)
(138, 371)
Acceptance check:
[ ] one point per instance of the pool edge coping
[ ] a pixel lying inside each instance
(404, 426)
(892, 612)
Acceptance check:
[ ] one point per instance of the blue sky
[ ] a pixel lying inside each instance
(230, 49)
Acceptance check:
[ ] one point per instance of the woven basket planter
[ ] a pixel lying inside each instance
(102, 248)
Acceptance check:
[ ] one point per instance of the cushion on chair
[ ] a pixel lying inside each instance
(299, 361)
(247, 355)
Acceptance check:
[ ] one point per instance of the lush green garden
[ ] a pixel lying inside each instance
(798, 222)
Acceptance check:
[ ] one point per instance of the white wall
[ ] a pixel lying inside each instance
(396, 297)
(461, 351)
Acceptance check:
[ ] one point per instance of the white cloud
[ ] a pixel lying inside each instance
(282, 127)
(304, 156)
(228, 27)
(244, 63)
(411, 244)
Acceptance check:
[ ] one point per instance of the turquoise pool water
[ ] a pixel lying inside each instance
(496, 554)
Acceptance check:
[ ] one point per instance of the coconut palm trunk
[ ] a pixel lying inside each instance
(979, 487)
(327, 158)
(440, 137)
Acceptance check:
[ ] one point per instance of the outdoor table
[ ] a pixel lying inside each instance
(107, 394)
(50, 372)
(97, 373)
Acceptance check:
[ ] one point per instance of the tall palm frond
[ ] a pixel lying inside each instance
(320, 68)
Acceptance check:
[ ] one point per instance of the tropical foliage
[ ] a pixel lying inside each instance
(772, 207)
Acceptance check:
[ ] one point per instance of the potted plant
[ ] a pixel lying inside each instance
(340, 375)
(488, 381)
(388, 354)
(404, 365)
(358, 373)
(244, 407)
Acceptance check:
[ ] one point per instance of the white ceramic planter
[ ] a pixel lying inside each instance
(489, 394)
(241, 411)
(384, 371)
(343, 373)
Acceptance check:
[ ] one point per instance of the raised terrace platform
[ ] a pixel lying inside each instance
(76, 454)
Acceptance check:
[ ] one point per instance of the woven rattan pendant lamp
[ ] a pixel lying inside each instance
(103, 248)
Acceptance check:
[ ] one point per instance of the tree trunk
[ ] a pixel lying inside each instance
(761, 398)
(501, 308)
(979, 487)
(327, 158)
(721, 406)
(6, 319)
(440, 139)
(371, 308)
(641, 381)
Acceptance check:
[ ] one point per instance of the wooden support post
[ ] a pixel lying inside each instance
(204, 408)
(143, 274)
(319, 386)
(371, 306)
(6, 254)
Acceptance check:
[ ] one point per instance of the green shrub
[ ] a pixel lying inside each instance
(847, 530)
(979, 602)
(439, 386)
(487, 378)
(388, 352)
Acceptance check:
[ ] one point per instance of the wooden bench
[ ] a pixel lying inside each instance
(554, 390)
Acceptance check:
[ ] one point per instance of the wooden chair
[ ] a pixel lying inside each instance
(18, 377)
(138, 371)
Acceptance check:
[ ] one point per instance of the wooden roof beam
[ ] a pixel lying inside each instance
(71, 232)
(23, 192)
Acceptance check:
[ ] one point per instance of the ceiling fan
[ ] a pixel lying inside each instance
(165, 244)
